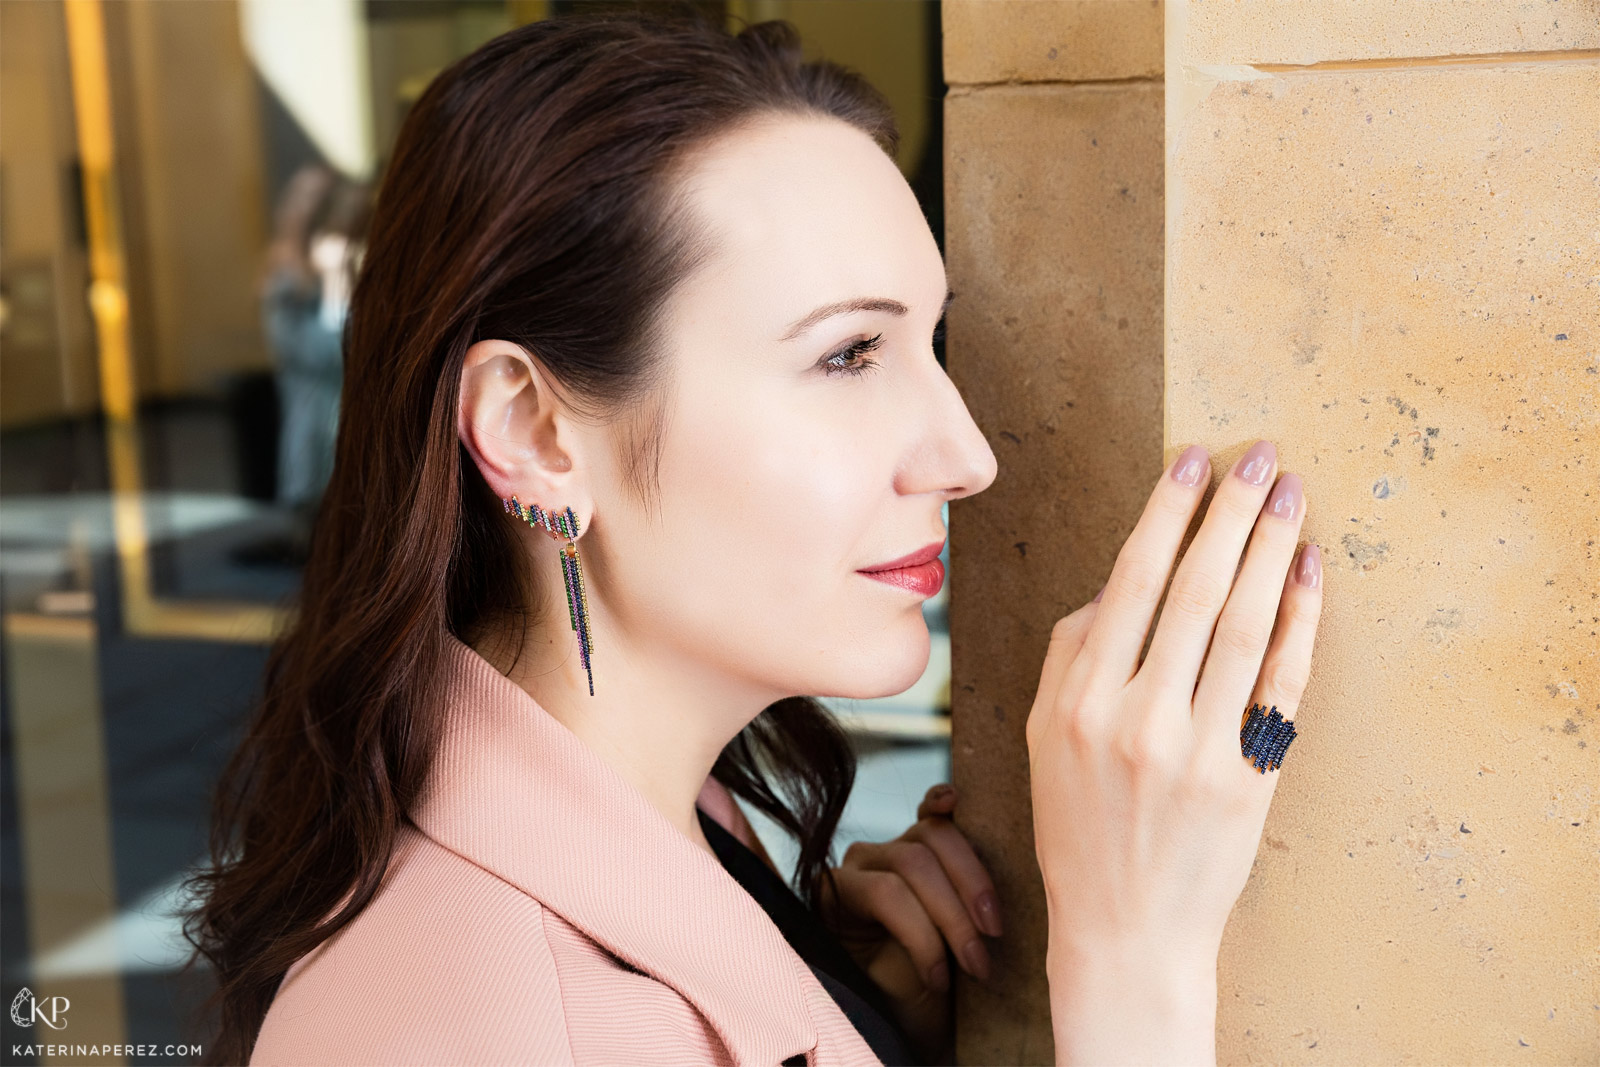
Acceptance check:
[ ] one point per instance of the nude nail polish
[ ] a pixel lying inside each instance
(1256, 465)
(989, 914)
(1308, 570)
(1190, 467)
(1288, 498)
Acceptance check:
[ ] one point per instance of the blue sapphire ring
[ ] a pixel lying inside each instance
(1265, 737)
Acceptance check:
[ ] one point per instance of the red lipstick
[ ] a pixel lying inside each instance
(920, 572)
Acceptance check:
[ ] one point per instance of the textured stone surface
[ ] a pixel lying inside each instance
(1396, 275)
(1316, 31)
(1392, 267)
(1051, 40)
(1054, 250)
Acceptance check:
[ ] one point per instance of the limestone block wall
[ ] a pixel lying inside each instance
(1383, 252)
(1053, 172)
(1367, 230)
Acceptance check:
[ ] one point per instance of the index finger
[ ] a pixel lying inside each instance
(1140, 574)
(938, 800)
(965, 870)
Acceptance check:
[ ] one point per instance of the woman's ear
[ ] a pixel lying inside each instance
(506, 418)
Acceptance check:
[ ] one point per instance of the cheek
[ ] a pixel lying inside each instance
(767, 509)
(782, 499)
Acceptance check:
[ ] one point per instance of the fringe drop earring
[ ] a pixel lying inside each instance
(564, 525)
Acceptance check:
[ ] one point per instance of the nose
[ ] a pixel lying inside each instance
(954, 458)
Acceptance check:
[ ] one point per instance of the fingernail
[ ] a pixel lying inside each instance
(1288, 496)
(1255, 466)
(989, 914)
(975, 959)
(1098, 595)
(1191, 466)
(1308, 572)
(939, 977)
(940, 791)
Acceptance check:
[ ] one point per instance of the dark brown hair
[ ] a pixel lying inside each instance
(531, 197)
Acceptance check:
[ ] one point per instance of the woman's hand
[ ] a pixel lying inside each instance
(1146, 814)
(901, 902)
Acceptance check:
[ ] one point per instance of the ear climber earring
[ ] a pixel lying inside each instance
(563, 524)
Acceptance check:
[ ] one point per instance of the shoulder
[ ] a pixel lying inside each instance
(447, 964)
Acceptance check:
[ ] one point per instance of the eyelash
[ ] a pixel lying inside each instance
(857, 349)
(861, 348)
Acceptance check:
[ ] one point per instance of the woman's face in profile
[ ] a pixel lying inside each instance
(790, 461)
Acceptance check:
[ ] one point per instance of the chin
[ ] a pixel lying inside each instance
(891, 665)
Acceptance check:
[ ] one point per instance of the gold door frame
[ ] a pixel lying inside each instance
(143, 613)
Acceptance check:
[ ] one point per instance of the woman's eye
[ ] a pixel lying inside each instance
(838, 363)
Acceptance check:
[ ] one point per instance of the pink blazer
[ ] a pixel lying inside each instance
(546, 913)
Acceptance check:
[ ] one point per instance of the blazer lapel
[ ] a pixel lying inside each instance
(519, 794)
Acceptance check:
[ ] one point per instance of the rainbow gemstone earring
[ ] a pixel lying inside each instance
(563, 524)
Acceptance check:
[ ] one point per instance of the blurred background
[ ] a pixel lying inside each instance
(184, 191)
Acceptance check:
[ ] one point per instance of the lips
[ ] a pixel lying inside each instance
(920, 572)
(924, 554)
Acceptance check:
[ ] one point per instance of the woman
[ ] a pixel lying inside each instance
(669, 286)
(304, 296)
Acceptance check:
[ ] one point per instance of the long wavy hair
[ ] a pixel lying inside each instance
(533, 196)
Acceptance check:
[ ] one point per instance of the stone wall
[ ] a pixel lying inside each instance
(1053, 177)
(1381, 251)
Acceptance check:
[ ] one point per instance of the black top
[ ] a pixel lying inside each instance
(857, 995)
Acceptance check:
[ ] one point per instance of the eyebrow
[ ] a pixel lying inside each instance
(845, 307)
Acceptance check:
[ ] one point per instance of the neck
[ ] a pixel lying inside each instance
(659, 719)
